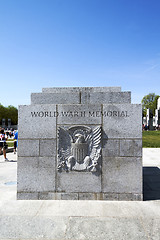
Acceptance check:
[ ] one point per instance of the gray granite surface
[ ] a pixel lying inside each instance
(55, 98)
(80, 143)
(88, 219)
(80, 89)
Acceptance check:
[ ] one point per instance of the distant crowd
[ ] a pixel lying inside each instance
(4, 136)
(10, 133)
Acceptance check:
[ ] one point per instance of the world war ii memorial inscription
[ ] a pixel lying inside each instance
(80, 144)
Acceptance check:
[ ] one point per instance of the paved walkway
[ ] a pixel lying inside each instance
(8, 177)
(80, 220)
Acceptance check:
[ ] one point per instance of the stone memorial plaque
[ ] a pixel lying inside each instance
(79, 148)
(80, 143)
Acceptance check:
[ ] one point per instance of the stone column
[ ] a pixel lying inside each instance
(158, 103)
(157, 117)
(9, 123)
(144, 121)
(3, 123)
(149, 119)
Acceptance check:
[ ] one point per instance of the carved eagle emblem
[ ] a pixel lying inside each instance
(79, 148)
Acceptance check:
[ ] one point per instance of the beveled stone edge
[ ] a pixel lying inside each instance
(80, 89)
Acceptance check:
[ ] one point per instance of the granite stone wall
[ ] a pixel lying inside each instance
(80, 143)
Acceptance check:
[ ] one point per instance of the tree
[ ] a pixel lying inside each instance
(9, 112)
(149, 101)
(12, 113)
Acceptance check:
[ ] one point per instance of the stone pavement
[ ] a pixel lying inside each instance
(80, 220)
(8, 177)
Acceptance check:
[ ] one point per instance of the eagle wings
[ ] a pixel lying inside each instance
(79, 134)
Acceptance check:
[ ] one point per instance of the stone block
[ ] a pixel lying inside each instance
(73, 182)
(61, 90)
(122, 121)
(101, 89)
(45, 196)
(49, 196)
(46, 179)
(36, 174)
(129, 197)
(110, 196)
(28, 148)
(79, 114)
(80, 89)
(100, 228)
(27, 195)
(24, 162)
(33, 227)
(28, 179)
(48, 147)
(130, 148)
(87, 196)
(55, 98)
(105, 97)
(122, 175)
(46, 162)
(110, 148)
(69, 196)
(36, 121)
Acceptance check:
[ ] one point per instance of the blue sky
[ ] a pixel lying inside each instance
(51, 43)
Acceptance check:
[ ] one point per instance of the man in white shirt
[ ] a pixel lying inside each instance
(3, 144)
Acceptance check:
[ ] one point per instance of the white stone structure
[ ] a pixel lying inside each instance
(158, 104)
(80, 143)
(151, 121)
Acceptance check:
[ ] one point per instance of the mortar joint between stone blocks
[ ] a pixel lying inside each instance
(56, 150)
(80, 97)
(39, 148)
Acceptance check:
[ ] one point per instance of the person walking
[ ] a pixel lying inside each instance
(3, 144)
(15, 141)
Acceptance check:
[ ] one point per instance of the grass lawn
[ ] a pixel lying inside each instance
(10, 142)
(151, 139)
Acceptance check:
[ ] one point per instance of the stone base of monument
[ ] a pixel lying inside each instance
(80, 144)
(96, 220)
(75, 220)
(79, 196)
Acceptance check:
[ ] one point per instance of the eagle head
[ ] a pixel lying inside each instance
(80, 138)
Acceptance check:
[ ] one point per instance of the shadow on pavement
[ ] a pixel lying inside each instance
(151, 183)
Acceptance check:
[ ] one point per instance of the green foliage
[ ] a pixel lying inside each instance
(149, 101)
(151, 139)
(9, 112)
